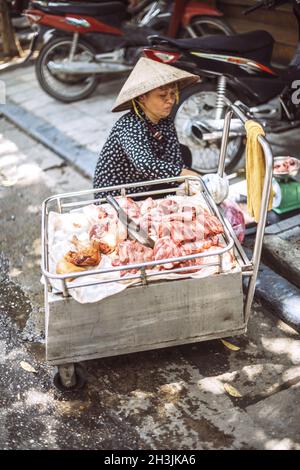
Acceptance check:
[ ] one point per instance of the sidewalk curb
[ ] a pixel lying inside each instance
(279, 296)
(75, 154)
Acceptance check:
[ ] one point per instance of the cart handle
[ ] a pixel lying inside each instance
(268, 155)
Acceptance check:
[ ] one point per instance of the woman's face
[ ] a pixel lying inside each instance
(159, 102)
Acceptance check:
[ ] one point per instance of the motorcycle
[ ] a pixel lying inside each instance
(19, 23)
(82, 41)
(198, 19)
(237, 68)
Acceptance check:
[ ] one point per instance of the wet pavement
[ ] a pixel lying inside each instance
(174, 398)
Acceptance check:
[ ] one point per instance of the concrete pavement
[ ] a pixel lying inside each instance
(76, 131)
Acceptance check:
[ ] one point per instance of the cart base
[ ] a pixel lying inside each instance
(69, 377)
(142, 318)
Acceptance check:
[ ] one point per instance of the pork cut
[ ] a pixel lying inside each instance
(131, 252)
(108, 231)
(129, 206)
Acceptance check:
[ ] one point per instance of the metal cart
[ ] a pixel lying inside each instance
(151, 313)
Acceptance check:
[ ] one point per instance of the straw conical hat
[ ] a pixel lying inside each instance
(146, 76)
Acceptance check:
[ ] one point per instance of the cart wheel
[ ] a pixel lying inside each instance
(69, 377)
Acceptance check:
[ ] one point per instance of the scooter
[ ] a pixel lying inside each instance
(81, 41)
(198, 19)
(237, 68)
(20, 24)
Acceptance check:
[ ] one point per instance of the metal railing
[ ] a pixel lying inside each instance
(268, 156)
(60, 201)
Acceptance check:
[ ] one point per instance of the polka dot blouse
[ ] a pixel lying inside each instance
(132, 153)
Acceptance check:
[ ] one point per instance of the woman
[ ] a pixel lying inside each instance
(143, 144)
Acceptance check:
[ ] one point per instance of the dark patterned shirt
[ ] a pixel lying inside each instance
(132, 153)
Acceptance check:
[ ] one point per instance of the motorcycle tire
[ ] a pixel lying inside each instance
(205, 154)
(207, 25)
(65, 87)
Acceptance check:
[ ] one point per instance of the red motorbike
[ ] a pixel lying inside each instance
(82, 41)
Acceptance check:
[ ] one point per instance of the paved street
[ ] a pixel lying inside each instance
(168, 399)
(88, 122)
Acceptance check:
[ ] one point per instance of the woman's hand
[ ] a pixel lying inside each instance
(187, 172)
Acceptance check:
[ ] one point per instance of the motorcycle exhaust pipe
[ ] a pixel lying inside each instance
(85, 68)
(201, 135)
(204, 134)
(217, 135)
(197, 131)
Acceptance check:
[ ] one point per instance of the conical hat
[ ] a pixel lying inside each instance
(147, 75)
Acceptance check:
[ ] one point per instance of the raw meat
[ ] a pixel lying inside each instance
(147, 205)
(235, 217)
(285, 166)
(129, 206)
(131, 252)
(178, 229)
(108, 232)
(86, 254)
(187, 224)
(167, 248)
(168, 206)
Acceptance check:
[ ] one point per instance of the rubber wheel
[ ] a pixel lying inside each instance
(207, 25)
(80, 380)
(204, 149)
(61, 88)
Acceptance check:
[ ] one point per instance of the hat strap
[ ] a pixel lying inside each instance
(136, 109)
(156, 134)
(177, 94)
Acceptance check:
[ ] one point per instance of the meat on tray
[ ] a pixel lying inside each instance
(108, 231)
(167, 248)
(131, 252)
(168, 206)
(147, 205)
(130, 207)
(178, 230)
(285, 165)
(188, 224)
(160, 206)
(85, 256)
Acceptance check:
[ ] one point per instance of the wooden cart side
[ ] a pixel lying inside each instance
(148, 317)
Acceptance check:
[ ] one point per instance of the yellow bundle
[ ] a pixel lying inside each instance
(255, 169)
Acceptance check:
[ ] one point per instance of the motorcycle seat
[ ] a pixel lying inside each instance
(257, 45)
(80, 8)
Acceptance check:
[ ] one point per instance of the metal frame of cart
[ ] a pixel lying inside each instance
(151, 313)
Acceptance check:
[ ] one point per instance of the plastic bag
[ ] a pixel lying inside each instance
(235, 217)
(217, 186)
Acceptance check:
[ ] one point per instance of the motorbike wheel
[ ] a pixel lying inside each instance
(198, 102)
(206, 25)
(65, 87)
